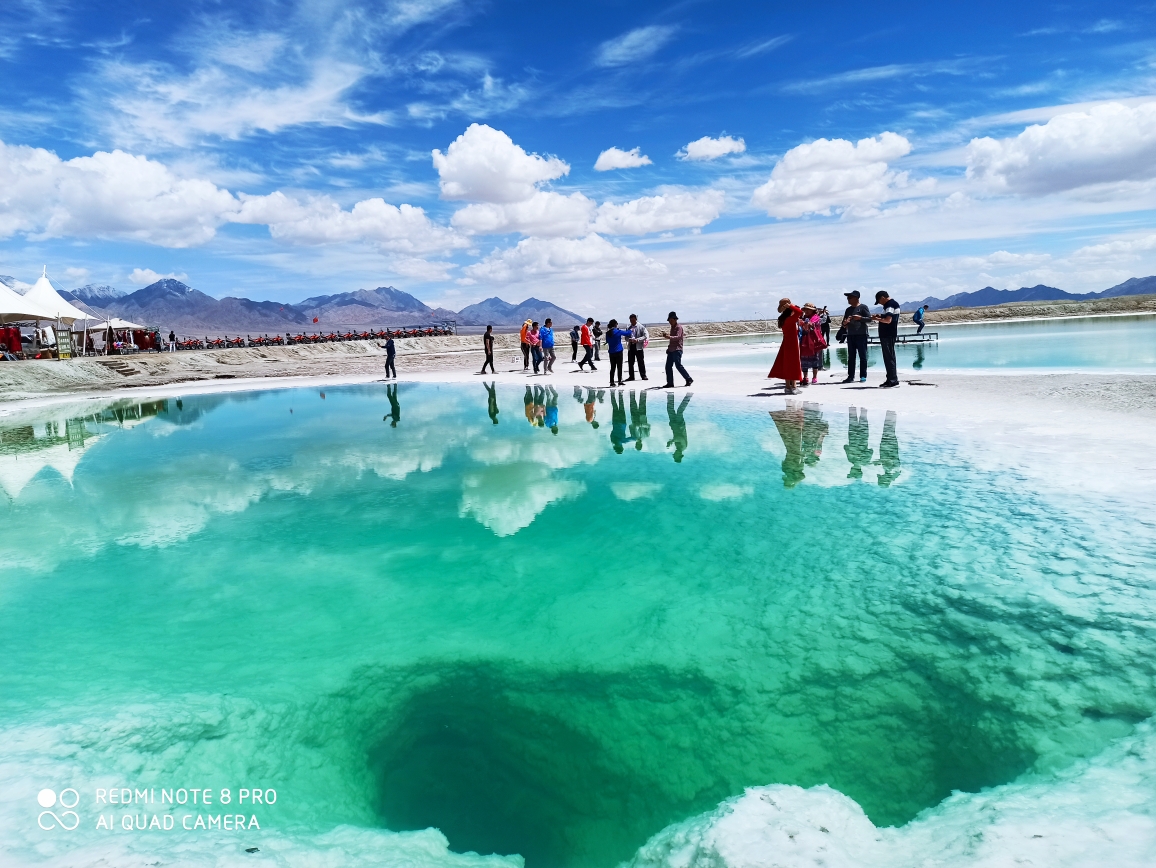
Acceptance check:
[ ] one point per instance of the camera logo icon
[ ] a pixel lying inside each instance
(68, 819)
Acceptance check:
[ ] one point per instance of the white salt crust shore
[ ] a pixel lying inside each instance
(1089, 432)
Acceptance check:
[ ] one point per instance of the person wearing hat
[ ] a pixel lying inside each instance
(786, 366)
(811, 342)
(855, 320)
(676, 336)
(888, 333)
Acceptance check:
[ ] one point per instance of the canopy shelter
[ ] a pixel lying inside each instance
(49, 299)
(92, 323)
(20, 308)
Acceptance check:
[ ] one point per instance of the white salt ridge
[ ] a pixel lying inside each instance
(1094, 813)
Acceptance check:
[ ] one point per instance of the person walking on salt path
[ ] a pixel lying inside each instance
(855, 320)
(614, 338)
(888, 334)
(597, 333)
(535, 342)
(525, 345)
(575, 336)
(811, 343)
(488, 344)
(390, 353)
(546, 336)
(639, 338)
(787, 365)
(587, 340)
(677, 339)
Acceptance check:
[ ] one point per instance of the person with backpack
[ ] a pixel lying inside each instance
(639, 338)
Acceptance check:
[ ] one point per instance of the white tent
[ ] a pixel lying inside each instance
(19, 308)
(48, 298)
(92, 323)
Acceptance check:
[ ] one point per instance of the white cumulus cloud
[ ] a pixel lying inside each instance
(707, 148)
(544, 213)
(1106, 144)
(589, 257)
(484, 165)
(834, 175)
(107, 195)
(673, 210)
(633, 46)
(320, 220)
(616, 158)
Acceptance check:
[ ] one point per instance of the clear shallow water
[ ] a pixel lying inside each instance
(399, 614)
(1125, 343)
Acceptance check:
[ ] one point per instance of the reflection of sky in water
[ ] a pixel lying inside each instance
(1103, 343)
(557, 634)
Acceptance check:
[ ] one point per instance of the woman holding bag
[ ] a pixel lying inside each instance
(787, 366)
(811, 342)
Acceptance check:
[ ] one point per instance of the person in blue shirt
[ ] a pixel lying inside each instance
(917, 318)
(546, 336)
(614, 337)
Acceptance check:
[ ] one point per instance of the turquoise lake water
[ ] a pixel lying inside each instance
(1125, 344)
(546, 624)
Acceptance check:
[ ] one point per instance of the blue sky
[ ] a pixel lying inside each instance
(707, 156)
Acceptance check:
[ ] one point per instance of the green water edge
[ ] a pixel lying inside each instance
(402, 615)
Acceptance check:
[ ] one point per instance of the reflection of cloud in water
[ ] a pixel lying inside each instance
(635, 490)
(724, 491)
(508, 497)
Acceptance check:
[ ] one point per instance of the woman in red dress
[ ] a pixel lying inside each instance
(787, 363)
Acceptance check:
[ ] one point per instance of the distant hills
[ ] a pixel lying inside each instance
(990, 296)
(494, 310)
(172, 304)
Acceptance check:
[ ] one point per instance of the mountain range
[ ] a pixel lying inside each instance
(172, 304)
(990, 296)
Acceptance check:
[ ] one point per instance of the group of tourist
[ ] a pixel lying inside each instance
(806, 336)
(623, 345)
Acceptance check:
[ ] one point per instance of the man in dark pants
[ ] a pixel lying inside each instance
(390, 353)
(574, 335)
(488, 345)
(888, 332)
(677, 338)
(855, 320)
(637, 349)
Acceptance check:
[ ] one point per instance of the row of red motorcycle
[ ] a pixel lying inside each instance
(302, 338)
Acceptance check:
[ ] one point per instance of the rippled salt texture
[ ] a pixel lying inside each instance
(812, 626)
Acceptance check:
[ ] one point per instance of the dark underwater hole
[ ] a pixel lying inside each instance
(577, 770)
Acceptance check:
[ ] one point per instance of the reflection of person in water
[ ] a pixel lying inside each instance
(539, 407)
(394, 406)
(551, 417)
(918, 363)
(677, 425)
(639, 426)
(789, 423)
(618, 421)
(528, 398)
(889, 452)
(587, 403)
(858, 450)
(492, 401)
(815, 430)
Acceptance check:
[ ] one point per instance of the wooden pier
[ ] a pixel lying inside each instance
(912, 338)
